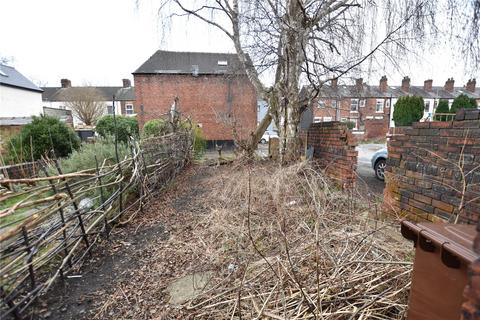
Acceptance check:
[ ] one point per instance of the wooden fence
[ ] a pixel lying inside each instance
(60, 217)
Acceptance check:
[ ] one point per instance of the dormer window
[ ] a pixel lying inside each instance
(222, 62)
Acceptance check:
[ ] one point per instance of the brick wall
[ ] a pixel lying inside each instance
(213, 101)
(428, 166)
(333, 150)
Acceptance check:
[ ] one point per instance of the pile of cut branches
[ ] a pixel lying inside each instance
(285, 244)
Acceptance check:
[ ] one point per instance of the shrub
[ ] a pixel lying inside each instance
(200, 144)
(155, 127)
(350, 124)
(39, 137)
(463, 101)
(126, 127)
(84, 158)
(442, 108)
(408, 109)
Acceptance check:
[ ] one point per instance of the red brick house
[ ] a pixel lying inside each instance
(212, 88)
(370, 107)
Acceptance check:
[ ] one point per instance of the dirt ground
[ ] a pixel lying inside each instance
(129, 273)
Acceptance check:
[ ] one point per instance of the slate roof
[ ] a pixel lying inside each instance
(170, 62)
(58, 93)
(9, 76)
(351, 91)
(126, 94)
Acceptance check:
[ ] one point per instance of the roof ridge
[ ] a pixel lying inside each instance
(202, 52)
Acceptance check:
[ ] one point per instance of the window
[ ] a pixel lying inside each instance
(62, 107)
(362, 103)
(129, 109)
(110, 109)
(379, 106)
(327, 119)
(387, 103)
(317, 119)
(321, 103)
(354, 105)
(427, 106)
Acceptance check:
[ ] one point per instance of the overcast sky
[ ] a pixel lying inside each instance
(102, 41)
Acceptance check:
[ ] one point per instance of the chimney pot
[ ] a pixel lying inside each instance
(427, 85)
(334, 83)
(471, 85)
(406, 84)
(383, 84)
(65, 83)
(359, 84)
(449, 85)
(126, 83)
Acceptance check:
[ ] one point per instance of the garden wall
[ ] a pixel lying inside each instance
(433, 170)
(333, 150)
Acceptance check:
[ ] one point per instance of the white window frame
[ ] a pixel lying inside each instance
(321, 103)
(327, 119)
(109, 107)
(132, 110)
(352, 103)
(317, 119)
(363, 103)
(381, 103)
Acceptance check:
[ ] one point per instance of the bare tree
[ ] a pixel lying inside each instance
(309, 42)
(86, 103)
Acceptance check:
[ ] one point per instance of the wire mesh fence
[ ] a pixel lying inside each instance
(53, 221)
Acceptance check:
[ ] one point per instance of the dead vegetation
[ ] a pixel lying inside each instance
(275, 243)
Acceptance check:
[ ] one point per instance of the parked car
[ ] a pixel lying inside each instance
(267, 135)
(379, 162)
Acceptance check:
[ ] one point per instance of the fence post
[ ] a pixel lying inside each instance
(75, 206)
(30, 254)
(102, 198)
(62, 219)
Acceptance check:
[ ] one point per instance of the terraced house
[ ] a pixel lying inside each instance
(57, 97)
(370, 107)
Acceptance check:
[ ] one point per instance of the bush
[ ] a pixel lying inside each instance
(463, 101)
(126, 127)
(200, 144)
(39, 137)
(442, 108)
(408, 109)
(155, 127)
(84, 158)
(350, 124)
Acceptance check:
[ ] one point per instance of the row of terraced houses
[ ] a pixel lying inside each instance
(214, 90)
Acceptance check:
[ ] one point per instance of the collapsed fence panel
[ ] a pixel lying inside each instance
(59, 217)
(433, 171)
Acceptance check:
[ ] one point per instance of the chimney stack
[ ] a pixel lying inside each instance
(471, 85)
(427, 85)
(406, 84)
(383, 84)
(449, 85)
(126, 83)
(359, 84)
(334, 83)
(66, 83)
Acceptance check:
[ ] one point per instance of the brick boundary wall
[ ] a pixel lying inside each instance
(432, 166)
(333, 151)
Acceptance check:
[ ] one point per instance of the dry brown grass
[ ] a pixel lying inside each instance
(297, 249)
